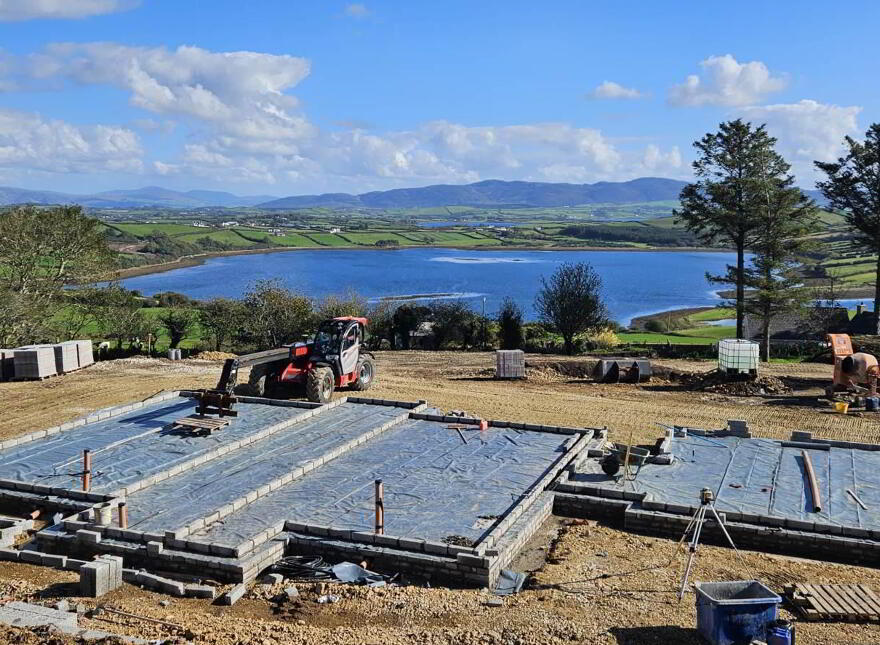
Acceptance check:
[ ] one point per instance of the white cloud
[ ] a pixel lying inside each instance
(356, 10)
(807, 131)
(28, 141)
(241, 95)
(612, 90)
(16, 10)
(726, 82)
(241, 125)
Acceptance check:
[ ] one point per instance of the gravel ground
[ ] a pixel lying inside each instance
(599, 585)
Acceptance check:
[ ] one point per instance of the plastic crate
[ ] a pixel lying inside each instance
(734, 613)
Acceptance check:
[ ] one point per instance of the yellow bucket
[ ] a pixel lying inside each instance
(841, 406)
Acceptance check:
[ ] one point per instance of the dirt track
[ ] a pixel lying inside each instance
(631, 608)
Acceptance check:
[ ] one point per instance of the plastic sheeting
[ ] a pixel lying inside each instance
(198, 492)
(762, 477)
(130, 447)
(436, 486)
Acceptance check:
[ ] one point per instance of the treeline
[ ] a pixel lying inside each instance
(651, 235)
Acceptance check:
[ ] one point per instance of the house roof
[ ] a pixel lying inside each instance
(862, 324)
(799, 324)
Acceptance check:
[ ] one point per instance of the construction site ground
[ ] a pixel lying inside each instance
(592, 583)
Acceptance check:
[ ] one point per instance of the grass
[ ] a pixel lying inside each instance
(710, 315)
(674, 338)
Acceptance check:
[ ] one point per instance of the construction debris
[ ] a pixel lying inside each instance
(718, 382)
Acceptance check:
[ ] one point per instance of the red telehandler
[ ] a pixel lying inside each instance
(333, 358)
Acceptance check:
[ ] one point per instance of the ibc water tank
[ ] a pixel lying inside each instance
(738, 356)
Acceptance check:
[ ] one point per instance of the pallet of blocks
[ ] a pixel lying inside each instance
(510, 363)
(35, 362)
(84, 352)
(7, 364)
(66, 359)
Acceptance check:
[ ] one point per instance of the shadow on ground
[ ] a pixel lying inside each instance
(661, 634)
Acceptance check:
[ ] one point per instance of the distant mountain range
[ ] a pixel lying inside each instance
(495, 193)
(139, 197)
(490, 193)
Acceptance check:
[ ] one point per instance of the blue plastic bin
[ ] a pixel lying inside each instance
(734, 613)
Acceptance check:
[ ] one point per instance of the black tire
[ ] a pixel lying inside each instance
(319, 385)
(366, 374)
(257, 379)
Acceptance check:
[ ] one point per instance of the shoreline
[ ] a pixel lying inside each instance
(199, 259)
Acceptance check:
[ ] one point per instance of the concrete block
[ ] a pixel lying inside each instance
(57, 561)
(72, 564)
(412, 544)
(31, 557)
(200, 591)
(233, 595)
(10, 555)
(97, 578)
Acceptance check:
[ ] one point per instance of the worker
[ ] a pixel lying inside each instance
(857, 368)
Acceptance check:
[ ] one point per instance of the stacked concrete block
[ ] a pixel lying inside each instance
(66, 358)
(510, 363)
(101, 576)
(84, 352)
(35, 361)
(7, 364)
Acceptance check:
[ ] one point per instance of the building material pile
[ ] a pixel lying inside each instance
(42, 361)
(510, 363)
(35, 362)
(66, 358)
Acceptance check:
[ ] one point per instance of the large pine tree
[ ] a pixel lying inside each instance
(719, 206)
(783, 215)
(853, 187)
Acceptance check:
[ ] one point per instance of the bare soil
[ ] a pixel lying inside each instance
(592, 583)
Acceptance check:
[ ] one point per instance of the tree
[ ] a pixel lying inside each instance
(510, 324)
(178, 323)
(853, 188)
(570, 302)
(44, 249)
(783, 215)
(275, 315)
(41, 251)
(351, 303)
(718, 206)
(119, 316)
(220, 319)
(407, 319)
(453, 321)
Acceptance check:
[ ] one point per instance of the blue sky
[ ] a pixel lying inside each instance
(294, 97)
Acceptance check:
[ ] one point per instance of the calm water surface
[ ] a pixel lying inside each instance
(634, 283)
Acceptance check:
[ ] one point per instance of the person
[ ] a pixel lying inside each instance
(856, 368)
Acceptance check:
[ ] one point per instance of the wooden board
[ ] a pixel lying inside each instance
(851, 603)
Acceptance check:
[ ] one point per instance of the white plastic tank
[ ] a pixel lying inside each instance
(737, 355)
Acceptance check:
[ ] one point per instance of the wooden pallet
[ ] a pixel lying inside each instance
(200, 425)
(850, 603)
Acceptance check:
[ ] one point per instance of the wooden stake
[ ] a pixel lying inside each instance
(87, 470)
(123, 515)
(380, 507)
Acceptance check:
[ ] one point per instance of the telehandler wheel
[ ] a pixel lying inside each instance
(257, 380)
(319, 385)
(366, 374)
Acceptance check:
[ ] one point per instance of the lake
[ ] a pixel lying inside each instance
(634, 282)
